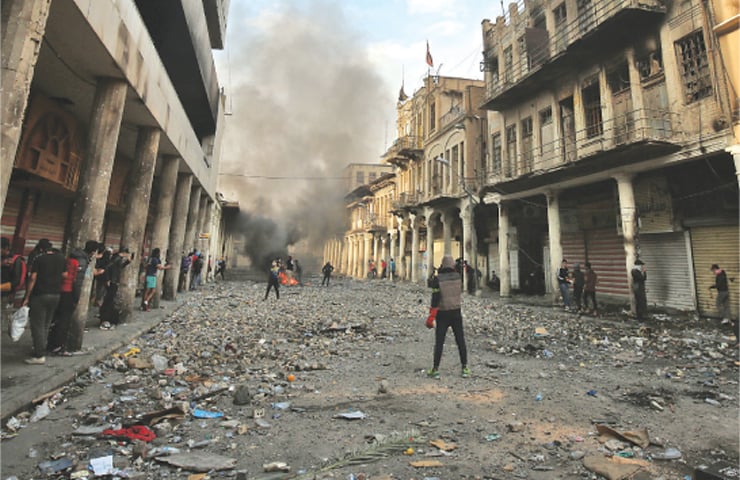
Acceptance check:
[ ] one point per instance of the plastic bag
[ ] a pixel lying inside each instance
(18, 323)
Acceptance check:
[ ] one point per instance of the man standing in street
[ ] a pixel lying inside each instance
(564, 283)
(42, 297)
(445, 313)
(326, 270)
(272, 279)
(639, 276)
(723, 296)
(589, 288)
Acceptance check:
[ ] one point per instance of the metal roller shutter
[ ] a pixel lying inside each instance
(574, 248)
(10, 211)
(670, 273)
(48, 220)
(605, 251)
(718, 245)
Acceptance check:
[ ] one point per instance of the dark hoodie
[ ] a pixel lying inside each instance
(446, 286)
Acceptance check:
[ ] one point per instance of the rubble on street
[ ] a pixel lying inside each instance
(330, 383)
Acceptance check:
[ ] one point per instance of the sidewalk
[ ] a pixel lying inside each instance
(22, 383)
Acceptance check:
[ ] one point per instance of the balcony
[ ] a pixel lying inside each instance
(455, 115)
(405, 200)
(404, 150)
(598, 30)
(626, 139)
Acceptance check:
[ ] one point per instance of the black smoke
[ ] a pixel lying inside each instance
(305, 102)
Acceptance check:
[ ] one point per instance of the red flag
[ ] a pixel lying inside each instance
(430, 62)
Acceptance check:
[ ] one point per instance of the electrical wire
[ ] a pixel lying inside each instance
(276, 177)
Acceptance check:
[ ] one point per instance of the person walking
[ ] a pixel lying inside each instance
(185, 263)
(392, 265)
(220, 268)
(272, 280)
(326, 270)
(564, 283)
(589, 289)
(579, 281)
(42, 297)
(197, 277)
(153, 266)
(639, 276)
(445, 313)
(298, 271)
(723, 293)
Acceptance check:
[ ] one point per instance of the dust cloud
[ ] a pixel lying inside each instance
(304, 103)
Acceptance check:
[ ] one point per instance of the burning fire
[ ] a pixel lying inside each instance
(284, 280)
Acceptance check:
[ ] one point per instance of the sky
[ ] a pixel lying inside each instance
(311, 86)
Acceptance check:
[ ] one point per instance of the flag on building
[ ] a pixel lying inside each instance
(430, 62)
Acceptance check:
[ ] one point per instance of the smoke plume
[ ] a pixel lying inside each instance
(305, 102)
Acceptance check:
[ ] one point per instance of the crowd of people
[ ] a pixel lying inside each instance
(50, 285)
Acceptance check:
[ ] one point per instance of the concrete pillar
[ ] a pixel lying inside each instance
(94, 183)
(401, 260)
(167, 181)
(345, 256)
(376, 250)
(23, 27)
(177, 234)
(354, 271)
(466, 215)
(414, 267)
(430, 242)
(447, 219)
(201, 243)
(734, 150)
(206, 211)
(638, 102)
(392, 252)
(628, 215)
(556, 249)
(368, 252)
(137, 205)
(504, 273)
(192, 222)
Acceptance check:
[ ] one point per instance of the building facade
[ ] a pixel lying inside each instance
(608, 124)
(359, 174)
(112, 118)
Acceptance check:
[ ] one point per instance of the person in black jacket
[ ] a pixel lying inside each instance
(639, 276)
(110, 311)
(445, 313)
(723, 293)
(326, 270)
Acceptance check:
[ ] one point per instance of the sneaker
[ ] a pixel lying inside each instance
(466, 372)
(35, 361)
(105, 326)
(433, 373)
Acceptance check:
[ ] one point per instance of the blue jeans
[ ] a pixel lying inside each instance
(565, 292)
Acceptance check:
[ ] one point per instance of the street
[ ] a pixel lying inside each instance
(330, 382)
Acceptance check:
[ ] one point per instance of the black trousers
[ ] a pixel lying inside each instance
(62, 321)
(592, 295)
(327, 277)
(577, 294)
(273, 282)
(445, 320)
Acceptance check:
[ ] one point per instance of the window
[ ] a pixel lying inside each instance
(508, 64)
(560, 17)
(371, 176)
(649, 61)
(546, 116)
(496, 153)
(432, 117)
(510, 148)
(592, 110)
(618, 78)
(694, 66)
(523, 55)
(560, 14)
(527, 146)
(491, 65)
(360, 178)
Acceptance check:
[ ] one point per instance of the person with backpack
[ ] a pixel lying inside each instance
(76, 269)
(14, 273)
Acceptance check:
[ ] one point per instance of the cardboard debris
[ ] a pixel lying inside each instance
(608, 468)
(199, 461)
(641, 438)
(447, 447)
(426, 463)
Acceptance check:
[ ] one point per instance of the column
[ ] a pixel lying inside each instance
(430, 242)
(92, 191)
(556, 249)
(466, 215)
(628, 215)
(414, 248)
(447, 219)
(366, 256)
(23, 27)
(401, 261)
(192, 222)
(206, 210)
(638, 102)
(137, 205)
(163, 218)
(376, 243)
(392, 252)
(504, 273)
(383, 240)
(177, 235)
(202, 243)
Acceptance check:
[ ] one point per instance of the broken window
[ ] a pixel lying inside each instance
(649, 60)
(694, 64)
(592, 110)
(618, 78)
(508, 64)
(527, 145)
(586, 17)
(560, 17)
(510, 148)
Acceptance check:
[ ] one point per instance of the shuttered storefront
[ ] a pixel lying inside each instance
(574, 248)
(605, 251)
(718, 245)
(670, 273)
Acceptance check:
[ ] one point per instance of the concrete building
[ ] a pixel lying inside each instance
(608, 128)
(358, 174)
(440, 156)
(112, 118)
